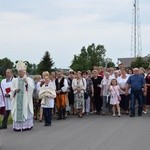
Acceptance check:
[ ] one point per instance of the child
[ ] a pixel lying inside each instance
(115, 97)
(47, 94)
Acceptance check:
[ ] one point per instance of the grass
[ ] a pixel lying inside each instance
(10, 120)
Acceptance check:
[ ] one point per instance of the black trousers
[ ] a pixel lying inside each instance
(98, 102)
(5, 119)
(124, 103)
(47, 112)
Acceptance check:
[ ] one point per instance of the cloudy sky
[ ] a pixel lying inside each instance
(28, 28)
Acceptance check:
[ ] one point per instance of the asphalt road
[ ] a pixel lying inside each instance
(89, 133)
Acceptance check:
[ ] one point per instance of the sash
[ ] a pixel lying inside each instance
(19, 101)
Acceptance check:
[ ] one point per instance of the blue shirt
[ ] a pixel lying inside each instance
(136, 82)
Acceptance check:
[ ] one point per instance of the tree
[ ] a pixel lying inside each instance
(110, 64)
(140, 62)
(92, 56)
(5, 63)
(46, 63)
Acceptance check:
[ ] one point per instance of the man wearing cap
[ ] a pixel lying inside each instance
(22, 103)
(137, 84)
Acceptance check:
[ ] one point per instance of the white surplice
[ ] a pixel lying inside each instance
(7, 84)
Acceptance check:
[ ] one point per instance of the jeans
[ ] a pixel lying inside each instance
(87, 104)
(139, 96)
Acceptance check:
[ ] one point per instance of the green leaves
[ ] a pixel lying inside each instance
(5, 63)
(141, 62)
(89, 57)
(46, 63)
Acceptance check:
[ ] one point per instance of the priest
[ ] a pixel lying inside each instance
(22, 103)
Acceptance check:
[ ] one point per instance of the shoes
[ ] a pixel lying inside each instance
(104, 113)
(144, 112)
(47, 124)
(139, 115)
(127, 112)
(64, 117)
(132, 115)
(119, 115)
(114, 115)
(98, 112)
(87, 114)
(3, 127)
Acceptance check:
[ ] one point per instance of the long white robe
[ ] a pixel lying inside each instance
(2, 103)
(5, 85)
(27, 121)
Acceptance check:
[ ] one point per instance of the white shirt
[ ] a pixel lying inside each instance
(65, 87)
(122, 82)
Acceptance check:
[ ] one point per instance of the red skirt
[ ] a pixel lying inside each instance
(2, 110)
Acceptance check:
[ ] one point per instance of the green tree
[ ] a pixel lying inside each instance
(110, 64)
(46, 63)
(140, 62)
(34, 69)
(5, 63)
(89, 57)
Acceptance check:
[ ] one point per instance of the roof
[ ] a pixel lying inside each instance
(126, 62)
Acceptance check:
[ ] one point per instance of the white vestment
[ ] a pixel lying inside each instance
(6, 85)
(27, 104)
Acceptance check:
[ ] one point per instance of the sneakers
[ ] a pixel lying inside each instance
(114, 115)
(119, 115)
(144, 112)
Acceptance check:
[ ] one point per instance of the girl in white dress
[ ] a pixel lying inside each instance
(115, 97)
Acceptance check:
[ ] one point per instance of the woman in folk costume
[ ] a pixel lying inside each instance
(22, 103)
(5, 85)
(47, 93)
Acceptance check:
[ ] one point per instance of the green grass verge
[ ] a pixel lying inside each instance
(10, 121)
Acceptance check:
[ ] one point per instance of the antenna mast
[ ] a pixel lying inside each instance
(136, 44)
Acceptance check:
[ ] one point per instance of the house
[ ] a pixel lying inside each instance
(126, 62)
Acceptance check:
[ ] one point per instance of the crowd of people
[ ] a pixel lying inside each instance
(103, 91)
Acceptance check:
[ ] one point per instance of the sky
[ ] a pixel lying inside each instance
(28, 28)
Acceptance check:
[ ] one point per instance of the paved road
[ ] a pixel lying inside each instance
(89, 133)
